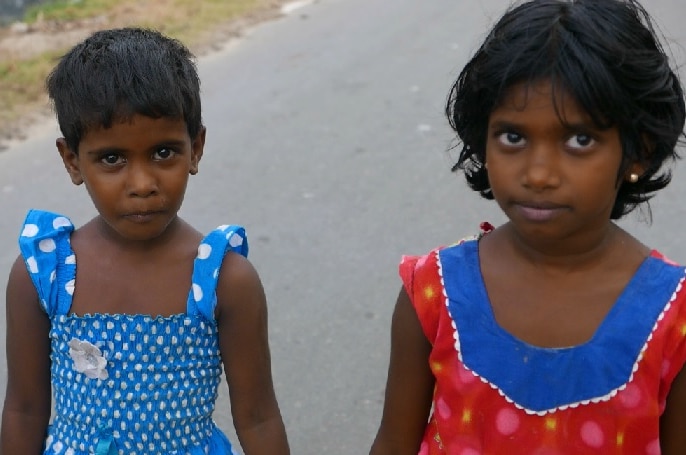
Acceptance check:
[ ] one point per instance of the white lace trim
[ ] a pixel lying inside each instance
(606, 397)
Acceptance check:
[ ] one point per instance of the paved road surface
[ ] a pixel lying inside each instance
(326, 139)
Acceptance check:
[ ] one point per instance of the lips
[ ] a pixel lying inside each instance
(143, 216)
(539, 211)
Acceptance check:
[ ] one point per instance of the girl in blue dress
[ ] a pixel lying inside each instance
(126, 323)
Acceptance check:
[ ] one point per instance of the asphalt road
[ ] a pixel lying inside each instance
(327, 140)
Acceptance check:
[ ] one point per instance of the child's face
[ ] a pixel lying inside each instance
(136, 172)
(551, 179)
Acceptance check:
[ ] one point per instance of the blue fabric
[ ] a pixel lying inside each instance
(158, 389)
(44, 244)
(541, 379)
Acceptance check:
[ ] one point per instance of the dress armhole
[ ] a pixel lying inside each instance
(675, 343)
(45, 246)
(422, 283)
(202, 298)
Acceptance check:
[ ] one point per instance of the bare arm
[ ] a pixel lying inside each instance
(673, 421)
(245, 351)
(26, 411)
(410, 385)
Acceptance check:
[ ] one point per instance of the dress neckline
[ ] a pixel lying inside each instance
(530, 375)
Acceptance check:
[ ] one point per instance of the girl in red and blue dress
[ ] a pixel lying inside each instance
(557, 332)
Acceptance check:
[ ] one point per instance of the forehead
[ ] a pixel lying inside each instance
(540, 96)
(136, 130)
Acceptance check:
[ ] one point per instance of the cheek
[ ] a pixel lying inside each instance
(500, 174)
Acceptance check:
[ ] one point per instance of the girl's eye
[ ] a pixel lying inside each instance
(510, 138)
(580, 141)
(111, 159)
(163, 154)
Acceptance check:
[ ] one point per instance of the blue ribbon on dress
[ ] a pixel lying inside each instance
(106, 444)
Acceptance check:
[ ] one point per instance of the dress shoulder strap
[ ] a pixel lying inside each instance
(202, 298)
(45, 246)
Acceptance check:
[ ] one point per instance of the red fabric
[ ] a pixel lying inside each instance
(470, 417)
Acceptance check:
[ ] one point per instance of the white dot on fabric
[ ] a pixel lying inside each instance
(630, 397)
(197, 292)
(223, 227)
(664, 371)
(235, 240)
(30, 230)
(47, 245)
(60, 221)
(69, 287)
(53, 275)
(32, 264)
(653, 448)
(71, 259)
(443, 408)
(592, 434)
(204, 251)
(507, 421)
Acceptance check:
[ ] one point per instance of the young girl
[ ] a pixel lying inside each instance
(130, 317)
(557, 332)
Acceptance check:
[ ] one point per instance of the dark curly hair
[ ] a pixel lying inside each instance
(115, 74)
(604, 53)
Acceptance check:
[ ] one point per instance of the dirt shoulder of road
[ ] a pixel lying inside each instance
(44, 36)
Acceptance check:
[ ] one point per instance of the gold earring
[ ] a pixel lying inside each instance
(633, 178)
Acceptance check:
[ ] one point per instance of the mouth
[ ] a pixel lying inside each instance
(142, 216)
(539, 211)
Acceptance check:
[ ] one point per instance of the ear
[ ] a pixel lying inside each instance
(71, 161)
(197, 148)
(638, 168)
(634, 172)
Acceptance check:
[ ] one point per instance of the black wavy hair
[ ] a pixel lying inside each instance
(605, 54)
(115, 74)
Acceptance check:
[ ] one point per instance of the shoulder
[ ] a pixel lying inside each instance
(44, 242)
(237, 280)
(43, 221)
(238, 285)
(413, 267)
(236, 270)
(20, 279)
(661, 256)
(422, 278)
(41, 229)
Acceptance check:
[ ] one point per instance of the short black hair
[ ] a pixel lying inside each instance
(606, 55)
(115, 74)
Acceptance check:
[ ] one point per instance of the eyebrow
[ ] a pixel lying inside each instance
(570, 126)
(176, 143)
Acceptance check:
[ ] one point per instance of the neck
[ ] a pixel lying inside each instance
(144, 246)
(566, 255)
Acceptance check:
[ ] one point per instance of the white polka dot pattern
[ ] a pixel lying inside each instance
(160, 393)
(162, 373)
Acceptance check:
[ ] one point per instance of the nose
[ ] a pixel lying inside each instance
(542, 168)
(141, 181)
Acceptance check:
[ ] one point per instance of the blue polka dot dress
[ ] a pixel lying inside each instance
(129, 384)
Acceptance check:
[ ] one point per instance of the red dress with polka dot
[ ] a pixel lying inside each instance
(495, 394)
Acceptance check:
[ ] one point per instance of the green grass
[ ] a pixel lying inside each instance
(68, 10)
(191, 21)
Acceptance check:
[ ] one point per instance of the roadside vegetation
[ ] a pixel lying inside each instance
(54, 27)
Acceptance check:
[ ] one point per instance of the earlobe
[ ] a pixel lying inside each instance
(634, 173)
(70, 160)
(197, 148)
